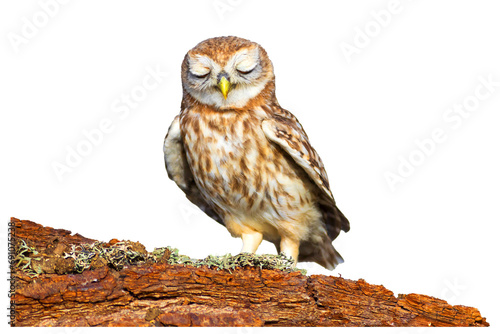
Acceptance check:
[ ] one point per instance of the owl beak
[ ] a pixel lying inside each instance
(224, 86)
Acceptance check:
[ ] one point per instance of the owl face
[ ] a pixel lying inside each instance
(226, 72)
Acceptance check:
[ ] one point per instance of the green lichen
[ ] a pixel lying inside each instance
(24, 256)
(116, 256)
(90, 256)
(230, 262)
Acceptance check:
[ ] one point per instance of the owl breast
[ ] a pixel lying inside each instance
(241, 174)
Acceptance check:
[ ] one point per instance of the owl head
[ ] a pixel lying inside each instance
(227, 73)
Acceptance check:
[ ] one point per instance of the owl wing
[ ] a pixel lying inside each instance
(285, 131)
(178, 169)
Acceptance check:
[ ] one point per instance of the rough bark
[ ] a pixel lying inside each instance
(159, 294)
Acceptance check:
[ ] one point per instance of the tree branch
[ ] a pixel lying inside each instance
(156, 293)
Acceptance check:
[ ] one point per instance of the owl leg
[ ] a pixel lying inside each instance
(290, 247)
(251, 241)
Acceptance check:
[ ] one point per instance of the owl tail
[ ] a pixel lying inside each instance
(322, 253)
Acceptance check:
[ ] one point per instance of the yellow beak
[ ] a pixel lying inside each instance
(224, 86)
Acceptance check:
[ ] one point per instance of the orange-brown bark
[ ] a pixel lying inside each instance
(159, 294)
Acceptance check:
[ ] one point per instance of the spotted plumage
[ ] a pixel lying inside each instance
(247, 162)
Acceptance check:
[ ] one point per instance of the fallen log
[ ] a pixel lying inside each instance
(60, 279)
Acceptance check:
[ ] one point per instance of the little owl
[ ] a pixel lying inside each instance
(247, 162)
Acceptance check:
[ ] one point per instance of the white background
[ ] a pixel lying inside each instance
(436, 233)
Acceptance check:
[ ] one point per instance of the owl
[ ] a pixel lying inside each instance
(247, 162)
